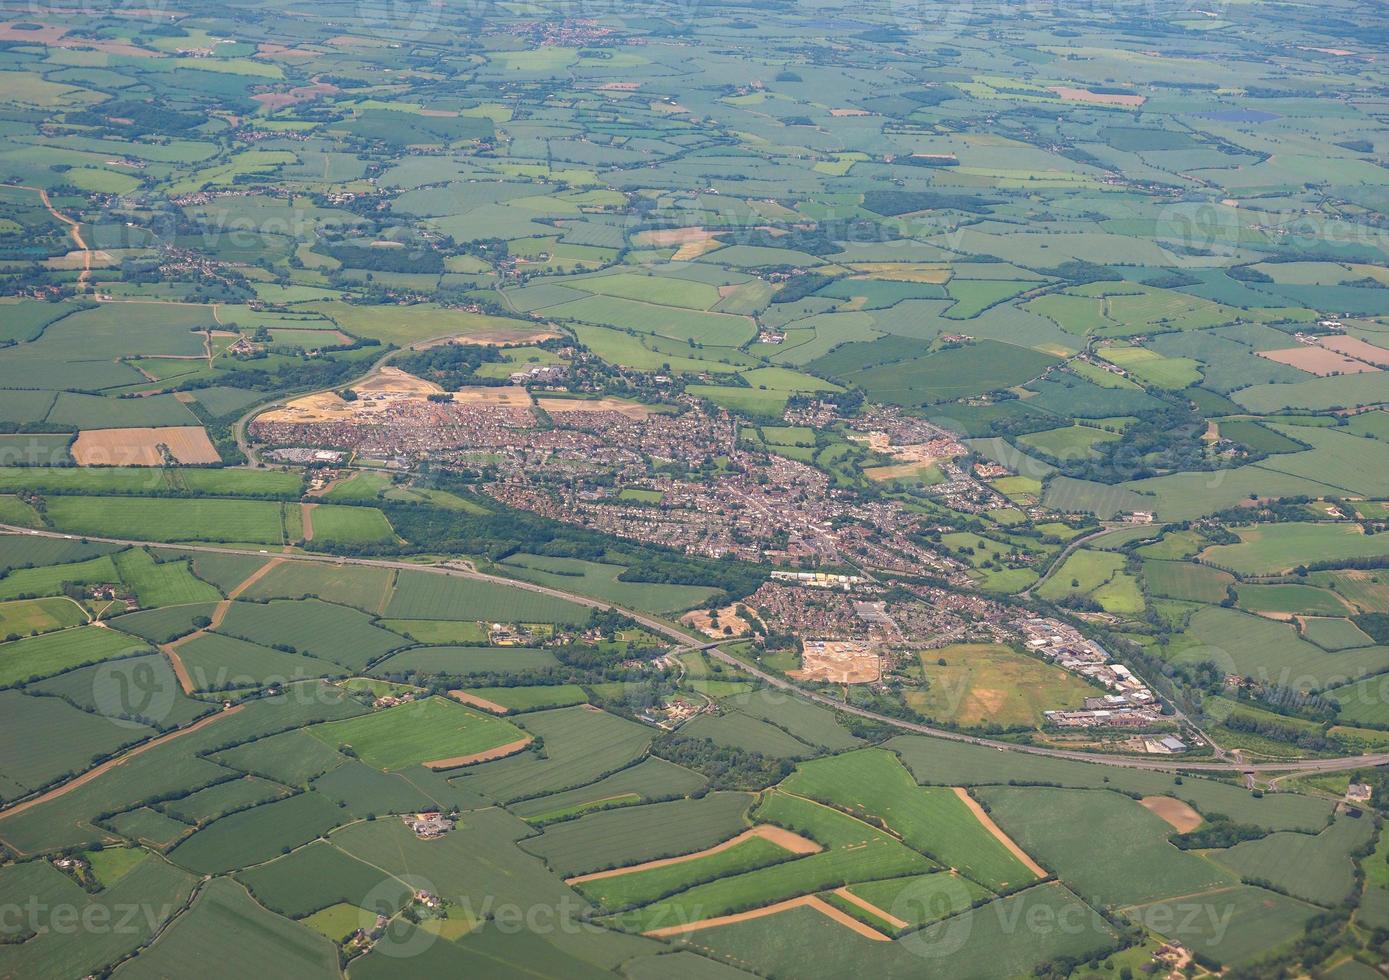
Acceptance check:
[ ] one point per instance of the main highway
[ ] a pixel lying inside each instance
(688, 642)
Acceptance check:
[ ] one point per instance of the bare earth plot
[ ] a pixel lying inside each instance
(140, 446)
(1179, 814)
(1317, 360)
(806, 901)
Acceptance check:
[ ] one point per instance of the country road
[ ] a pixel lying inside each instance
(74, 232)
(690, 642)
(1066, 553)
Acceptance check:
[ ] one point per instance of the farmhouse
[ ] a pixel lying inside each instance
(428, 825)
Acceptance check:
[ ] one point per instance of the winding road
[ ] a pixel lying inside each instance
(687, 642)
(74, 232)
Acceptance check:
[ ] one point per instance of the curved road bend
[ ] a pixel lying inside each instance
(683, 638)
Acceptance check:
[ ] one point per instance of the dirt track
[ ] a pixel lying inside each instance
(120, 760)
(805, 901)
(871, 909)
(477, 702)
(998, 833)
(500, 752)
(219, 613)
(792, 842)
(74, 230)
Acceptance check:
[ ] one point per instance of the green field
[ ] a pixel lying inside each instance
(1249, 923)
(311, 626)
(49, 579)
(31, 616)
(810, 723)
(532, 698)
(421, 595)
(437, 631)
(602, 581)
(460, 661)
(316, 877)
(227, 927)
(290, 758)
(580, 746)
(853, 851)
(940, 763)
(45, 740)
(1259, 647)
(739, 731)
(1315, 868)
(258, 834)
(936, 377)
(43, 656)
(651, 779)
(1099, 575)
(643, 887)
(1291, 599)
(1187, 581)
(217, 663)
(980, 941)
(421, 731)
(166, 623)
(51, 952)
(148, 519)
(633, 835)
(1277, 548)
(236, 794)
(1133, 863)
(363, 587)
(334, 524)
(873, 784)
(165, 583)
(230, 481)
(1068, 442)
